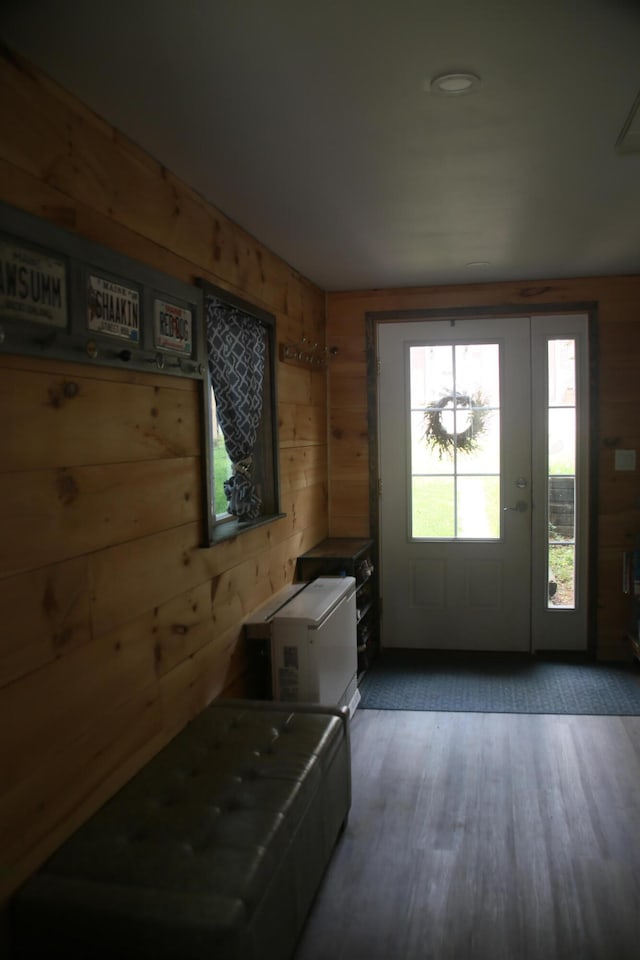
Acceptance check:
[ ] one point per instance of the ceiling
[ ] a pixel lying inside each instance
(307, 122)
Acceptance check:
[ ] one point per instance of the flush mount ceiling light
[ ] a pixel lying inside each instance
(453, 84)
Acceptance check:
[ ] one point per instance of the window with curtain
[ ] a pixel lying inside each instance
(241, 413)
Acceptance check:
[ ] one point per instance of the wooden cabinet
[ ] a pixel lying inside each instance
(350, 557)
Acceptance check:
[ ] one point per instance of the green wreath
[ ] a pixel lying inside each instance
(436, 434)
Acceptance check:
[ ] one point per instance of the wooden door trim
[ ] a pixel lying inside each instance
(590, 308)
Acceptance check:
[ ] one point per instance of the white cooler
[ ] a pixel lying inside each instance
(314, 655)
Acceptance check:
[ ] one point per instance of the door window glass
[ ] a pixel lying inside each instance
(561, 473)
(455, 441)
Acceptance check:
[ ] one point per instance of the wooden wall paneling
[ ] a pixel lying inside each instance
(619, 418)
(615, 377)
(131, 578)
(349, 452)
(613, 608)
(196, 681)
(310, 537)
(235, 593)
(52, 515)
(25, 191)
(205, 672)
(239, 590)
(295, 383)
(307, 502)
(94, 677)
(302, 467)
(301, 423)
(618, 528)
(226, 600)
(619, 505)
(350, 494)
(319, 391)
(181, 626)
(350, 359)
(349, 471)
(262, 539)
(103, 170)
(619, 335)
(236, 550)
(81, 417)
(302, 385)
(114, 650)
(350, 526)
(68, 369)
(348, 392)
(44, 615)
(311, 315)
(613, 613)
(79, 155)
(304, 314)
(346, 309)
(270, 292)
(348, 429)
(276, 569)
(65, 784)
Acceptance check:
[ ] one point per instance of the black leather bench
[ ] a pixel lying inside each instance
(214, 850)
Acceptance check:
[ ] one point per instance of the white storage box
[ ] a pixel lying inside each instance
(314, 645)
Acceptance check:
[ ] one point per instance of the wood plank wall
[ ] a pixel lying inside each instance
(616, 421)
(115, 626)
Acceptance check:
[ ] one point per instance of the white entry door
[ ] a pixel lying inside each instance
(472, 414)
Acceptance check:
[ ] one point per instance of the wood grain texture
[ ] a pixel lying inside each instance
(180, 627)
(54, 515)
(485, 835)
(117, 626)
(60, 790)
(302, 467)
(44, 614)
(104, 420)
(301, 424)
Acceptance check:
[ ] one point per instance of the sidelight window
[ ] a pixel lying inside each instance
(561, 472)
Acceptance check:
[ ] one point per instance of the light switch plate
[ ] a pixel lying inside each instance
(625, 460)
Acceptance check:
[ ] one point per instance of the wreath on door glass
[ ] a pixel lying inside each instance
(439, 438)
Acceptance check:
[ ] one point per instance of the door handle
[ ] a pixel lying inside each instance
(520, 507)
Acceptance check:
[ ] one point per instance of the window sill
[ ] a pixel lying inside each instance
(227, 529)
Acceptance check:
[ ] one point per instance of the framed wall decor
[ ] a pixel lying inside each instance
(68, 298)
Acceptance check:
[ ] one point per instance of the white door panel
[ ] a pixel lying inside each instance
(469, 584)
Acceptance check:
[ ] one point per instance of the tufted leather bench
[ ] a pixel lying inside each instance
(214, 850)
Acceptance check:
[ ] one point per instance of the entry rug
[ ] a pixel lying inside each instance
(491, 683)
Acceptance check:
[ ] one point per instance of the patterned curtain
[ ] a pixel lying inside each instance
(237, 351)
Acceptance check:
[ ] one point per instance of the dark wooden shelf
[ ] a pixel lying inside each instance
(346, 556)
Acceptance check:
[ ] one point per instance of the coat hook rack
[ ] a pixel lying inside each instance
(306, 353)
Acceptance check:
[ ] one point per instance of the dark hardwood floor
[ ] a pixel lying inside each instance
(485, 837)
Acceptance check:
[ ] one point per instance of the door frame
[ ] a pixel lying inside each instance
(590, 308)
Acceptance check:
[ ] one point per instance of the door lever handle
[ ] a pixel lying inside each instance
(519, 507)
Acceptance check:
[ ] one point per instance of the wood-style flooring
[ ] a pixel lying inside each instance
(485, 837)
